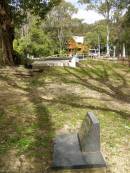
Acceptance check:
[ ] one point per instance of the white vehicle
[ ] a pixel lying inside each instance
(93, 52)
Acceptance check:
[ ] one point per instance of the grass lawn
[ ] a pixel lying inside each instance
(34, 109)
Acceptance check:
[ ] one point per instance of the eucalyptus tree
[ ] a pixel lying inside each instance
(110, 9)
(125, 31)
(95, 36)
(59, 22)
(11, 13)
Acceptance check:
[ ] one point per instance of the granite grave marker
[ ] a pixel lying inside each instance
(79, 151)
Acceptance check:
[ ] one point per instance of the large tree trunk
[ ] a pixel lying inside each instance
(7, 33)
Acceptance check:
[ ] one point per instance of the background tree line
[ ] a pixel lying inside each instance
(42, 28)
(113, 12)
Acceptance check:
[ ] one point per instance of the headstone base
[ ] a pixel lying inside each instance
(67, 155)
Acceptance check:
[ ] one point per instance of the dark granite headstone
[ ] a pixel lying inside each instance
(89, 134)
(80, 150)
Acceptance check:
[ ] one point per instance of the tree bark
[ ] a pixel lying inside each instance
(124, 51)
(114, 54)
(99, 46)
(108, 39)
(108, 28)
(7, 33)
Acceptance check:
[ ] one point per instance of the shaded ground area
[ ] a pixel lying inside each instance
(33, 109)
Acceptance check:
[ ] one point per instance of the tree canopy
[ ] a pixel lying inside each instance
(49, 36)
(42, 27)
(13, 12)
(112, 10)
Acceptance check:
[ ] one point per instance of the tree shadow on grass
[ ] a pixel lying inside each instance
(36, 143)
(104, 80)
(41, 148)
(76, 102)
(26, 135)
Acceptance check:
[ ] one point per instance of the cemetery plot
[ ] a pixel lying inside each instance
(36, 107)
(80, 150)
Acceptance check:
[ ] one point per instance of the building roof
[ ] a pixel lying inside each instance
(78, 39)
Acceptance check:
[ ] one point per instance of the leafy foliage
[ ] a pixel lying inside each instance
(96, 30)
(125, 34)
(43, 37)
(13, 13)
(37, 42)
(59, 22)
(113, 11)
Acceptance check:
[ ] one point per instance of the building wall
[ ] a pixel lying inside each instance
(74, 47)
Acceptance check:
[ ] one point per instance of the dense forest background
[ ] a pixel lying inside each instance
(42, 28)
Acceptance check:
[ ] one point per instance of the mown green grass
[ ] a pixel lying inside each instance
(34, 110)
